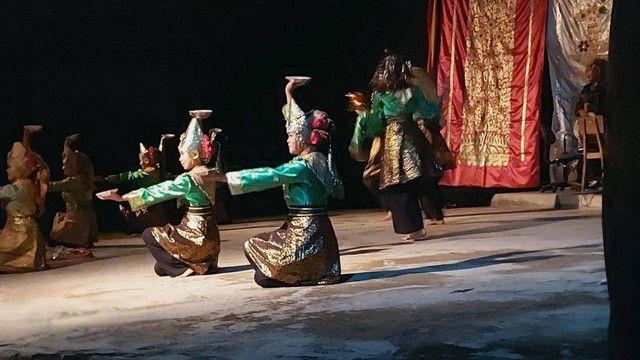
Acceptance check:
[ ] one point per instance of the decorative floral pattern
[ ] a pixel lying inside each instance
(591, 15)
(487, 119)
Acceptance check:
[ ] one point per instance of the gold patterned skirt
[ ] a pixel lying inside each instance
(78, 226)
(303, 251)
(404, 154)
(22, 247)
(195, 241)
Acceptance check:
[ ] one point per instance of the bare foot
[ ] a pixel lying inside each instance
(386, 217)
(414, 236)
(186, 273)
(435, 222)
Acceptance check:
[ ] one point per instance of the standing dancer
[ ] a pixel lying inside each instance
(404, 156)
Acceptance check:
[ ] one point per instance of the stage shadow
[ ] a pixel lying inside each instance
(361, 251)
(512, 225)
(231, 269)
(505, 258)
(386, 246)
(100, 247)
(565, 218)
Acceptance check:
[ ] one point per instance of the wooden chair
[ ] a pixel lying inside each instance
(592, 137)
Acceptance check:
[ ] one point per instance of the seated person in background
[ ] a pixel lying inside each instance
(592, 101)
(593, 98)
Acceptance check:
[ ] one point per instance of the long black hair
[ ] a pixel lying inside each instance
(391, 73)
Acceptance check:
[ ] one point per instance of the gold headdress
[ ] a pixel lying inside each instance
(194, 141)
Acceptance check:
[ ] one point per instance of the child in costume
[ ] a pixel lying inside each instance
(403, 157)
(151, 172)
(22, 246)
(193, 245)
(78, 226)
(304, 250)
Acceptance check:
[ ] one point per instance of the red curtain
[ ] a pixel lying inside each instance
(433, 38)
(490, 79)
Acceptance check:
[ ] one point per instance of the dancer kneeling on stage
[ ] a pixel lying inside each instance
(193, 245)
(304, 250)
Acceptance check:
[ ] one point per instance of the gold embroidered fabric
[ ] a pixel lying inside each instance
(401, 159)
(22, 247)
(195, 241)
(79, 224)
(304, 251)
(487, 107)
(372, 170)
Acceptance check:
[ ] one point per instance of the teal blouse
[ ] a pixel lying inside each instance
(186, 187)
(387, 105)
(306, 180)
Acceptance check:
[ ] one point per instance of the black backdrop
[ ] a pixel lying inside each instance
(121, 72)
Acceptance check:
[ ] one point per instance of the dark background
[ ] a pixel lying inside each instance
(121, 72)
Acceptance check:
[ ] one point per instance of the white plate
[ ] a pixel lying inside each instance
(103, 194)
(298, 78)
(33, 128)
(200, 114)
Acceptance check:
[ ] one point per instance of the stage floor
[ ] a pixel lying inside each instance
(510, 283)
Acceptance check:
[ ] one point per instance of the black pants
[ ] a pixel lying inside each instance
(372, 184)
(166, 265)
(403, 202)
(431, 199)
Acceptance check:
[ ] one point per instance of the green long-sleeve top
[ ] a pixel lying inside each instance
(138, 178)
(19, 197)
(192, 189)
(306, 180)
(76, 190)
(388, 105)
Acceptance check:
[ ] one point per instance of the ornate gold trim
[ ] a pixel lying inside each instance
(526, 82)
(135, 199)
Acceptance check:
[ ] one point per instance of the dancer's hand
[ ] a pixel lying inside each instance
(114, 197)
(71, 138)
(110, 195)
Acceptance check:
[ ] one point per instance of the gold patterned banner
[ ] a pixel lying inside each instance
(490, 78)
(485, 131)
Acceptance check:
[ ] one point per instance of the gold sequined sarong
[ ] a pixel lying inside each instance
(195, 241)
(404, 154)
(303, 251)
(22, 247)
